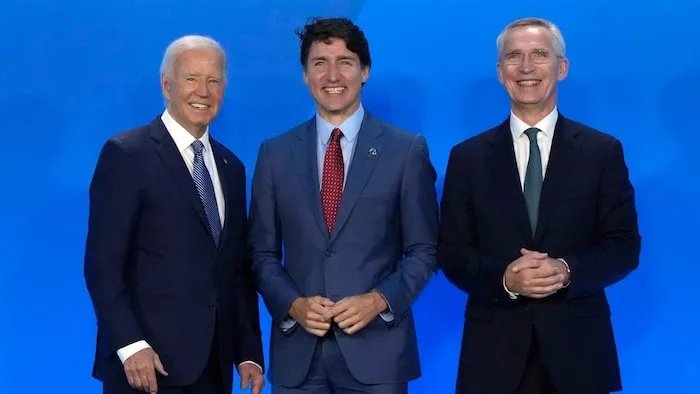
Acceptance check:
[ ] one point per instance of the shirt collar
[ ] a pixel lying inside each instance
(182, 138)
(350, 127)
(546, 125)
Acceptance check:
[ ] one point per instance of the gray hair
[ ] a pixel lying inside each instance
(557, 42)
(182, 44)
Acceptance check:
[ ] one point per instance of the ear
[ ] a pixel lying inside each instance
(499, 72)
(165, 86)
(306, 77)
(563, 68)
(364, 74)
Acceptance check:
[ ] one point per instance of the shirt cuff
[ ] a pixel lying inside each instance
(568, 270)
(513, 296)
(251, 362)
(129, 350)
(388, 315)
(288, 324)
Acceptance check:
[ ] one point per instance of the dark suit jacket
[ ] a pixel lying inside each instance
(385, 238)
(151, 265)
(587, 217)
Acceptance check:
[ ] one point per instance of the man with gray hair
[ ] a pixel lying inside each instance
(165, 261)
(538, 219)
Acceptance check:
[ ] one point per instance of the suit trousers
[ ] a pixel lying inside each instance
(535, 379)
(209, 382)
(329, 374)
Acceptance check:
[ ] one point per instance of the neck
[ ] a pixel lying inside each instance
(336, 118)
(532, 115)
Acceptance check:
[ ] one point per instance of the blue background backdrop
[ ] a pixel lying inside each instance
(75, 72)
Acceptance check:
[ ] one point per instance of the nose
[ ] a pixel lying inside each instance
(527, 66)
(333, 74)
(202, 89)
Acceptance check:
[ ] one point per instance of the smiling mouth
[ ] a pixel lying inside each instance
(334, 90)
(529, 82)
(199, 106)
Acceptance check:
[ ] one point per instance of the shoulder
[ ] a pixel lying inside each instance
(590, 137)
(476, 144)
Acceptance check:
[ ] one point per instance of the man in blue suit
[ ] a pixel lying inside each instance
(538, 219)
(351, 202)
(166, 263)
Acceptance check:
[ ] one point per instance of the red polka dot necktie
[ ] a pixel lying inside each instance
(332, 181)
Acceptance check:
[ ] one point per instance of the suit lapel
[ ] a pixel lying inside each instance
(506, 178)
(361, 168)
(305, 155)
(563, 156)
(171, 157)
(222, 169)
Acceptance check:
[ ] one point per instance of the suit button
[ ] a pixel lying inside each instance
(213, 305)
(494, 300)
(329, 253)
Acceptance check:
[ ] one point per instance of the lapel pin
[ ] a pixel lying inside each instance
(225, 161)
(372, 152)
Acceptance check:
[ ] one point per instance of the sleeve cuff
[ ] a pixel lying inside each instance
(568, 270)
(513, 296)
(129, 350)
(251, 362)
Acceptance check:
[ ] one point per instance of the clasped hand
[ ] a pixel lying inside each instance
(536, 275)
(351, 314)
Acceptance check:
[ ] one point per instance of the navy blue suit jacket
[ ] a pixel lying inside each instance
(152, 268)
(385, 238)
(587, 216)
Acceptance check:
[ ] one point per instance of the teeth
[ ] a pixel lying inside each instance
(334, 90)
(530, 82)
(199, 106)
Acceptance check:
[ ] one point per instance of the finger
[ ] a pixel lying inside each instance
(159, 366)
(138, 383)
(540, 296)
(318, 333)
(324, 301)
(315, 316)
(337, 309)
(347, 314)
(356, 327)
(522, 264)
(533, 253)
(152, 383)
(146, 378)
(130, 378)
(544, 281)
(350, 321)
(315, 325)
(245, 379)
(546, 289)
(258, 385)
(318, 309)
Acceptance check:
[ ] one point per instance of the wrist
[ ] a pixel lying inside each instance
(379, 301)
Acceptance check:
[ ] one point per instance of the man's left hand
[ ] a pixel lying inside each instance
(251, 374)
(354, 313)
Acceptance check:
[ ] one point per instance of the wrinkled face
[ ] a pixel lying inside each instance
(529, 68)
(195, 88)
(335, 77)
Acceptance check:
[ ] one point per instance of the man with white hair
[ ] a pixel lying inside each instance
(538, 219)
(165, 261)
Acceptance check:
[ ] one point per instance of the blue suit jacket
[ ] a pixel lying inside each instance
(385, 238)
(151, 265)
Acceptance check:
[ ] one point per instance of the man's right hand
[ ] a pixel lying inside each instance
(535, 275)
(140, 370)
(309, 311)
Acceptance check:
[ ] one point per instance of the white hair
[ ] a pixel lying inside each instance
(182, 44)
(557, 42)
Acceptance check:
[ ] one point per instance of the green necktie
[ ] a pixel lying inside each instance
(533, 178)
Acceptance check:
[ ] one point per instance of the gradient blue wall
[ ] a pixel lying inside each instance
(75, 72)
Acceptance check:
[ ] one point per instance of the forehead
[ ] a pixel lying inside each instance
(334, 47)
(527, 38)
(200, 60)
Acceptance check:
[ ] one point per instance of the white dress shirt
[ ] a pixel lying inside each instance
(183, 141)
(521, 145)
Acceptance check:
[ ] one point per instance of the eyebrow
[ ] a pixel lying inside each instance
(342, 57)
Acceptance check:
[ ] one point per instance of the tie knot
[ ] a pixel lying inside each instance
(197, 147)
(532, 133)
(336, 134)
